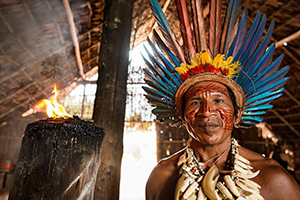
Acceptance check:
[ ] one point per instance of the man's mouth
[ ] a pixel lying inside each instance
(209, 126)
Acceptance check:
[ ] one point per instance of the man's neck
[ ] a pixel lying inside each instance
(212, 154)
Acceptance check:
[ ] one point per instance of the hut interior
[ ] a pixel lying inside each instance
(37, 49)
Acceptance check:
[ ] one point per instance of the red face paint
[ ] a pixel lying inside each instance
(209, 112)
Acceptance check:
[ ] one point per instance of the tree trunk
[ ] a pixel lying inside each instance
(109, 108)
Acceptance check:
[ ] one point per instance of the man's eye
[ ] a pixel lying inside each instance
(195, 103)
(218, 100)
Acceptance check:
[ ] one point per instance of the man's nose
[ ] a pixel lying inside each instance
(206, 109)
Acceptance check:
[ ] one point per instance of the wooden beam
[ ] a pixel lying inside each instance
(286, 122)
(283, 124)
(74, 37)
(291, 96)
(285, 116)
(289, 38)
(281, 26)
(21, 90)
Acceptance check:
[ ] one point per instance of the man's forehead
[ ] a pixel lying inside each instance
(207, 86)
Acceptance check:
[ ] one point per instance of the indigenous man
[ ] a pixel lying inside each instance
(211, 85)
(209, 116)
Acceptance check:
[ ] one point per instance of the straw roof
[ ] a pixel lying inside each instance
(37, 50)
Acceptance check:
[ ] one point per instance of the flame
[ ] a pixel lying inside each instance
(53, 108)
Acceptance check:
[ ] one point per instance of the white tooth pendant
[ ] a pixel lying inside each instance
(225, 192)
(182, 159)
(251, 175)
(241, 198)
(242, 170)
(251, 183)
(201, 195)
(190, 190)
(247, 184)
(244, 187)
(243, 165)
(258, 196)
(242, 159)
(182, 183)
(231, 185)
(209, 183)
(179, 185)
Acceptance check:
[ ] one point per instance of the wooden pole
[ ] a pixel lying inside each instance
(109, 107)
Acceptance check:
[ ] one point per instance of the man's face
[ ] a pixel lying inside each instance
(209, 112)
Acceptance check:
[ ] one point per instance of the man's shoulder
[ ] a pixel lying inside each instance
(169, 164)
(272, 177)
(163, 179)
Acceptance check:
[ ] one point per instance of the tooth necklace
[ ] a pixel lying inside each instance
(232, 183)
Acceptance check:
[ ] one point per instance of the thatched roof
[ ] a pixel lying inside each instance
(37, 50)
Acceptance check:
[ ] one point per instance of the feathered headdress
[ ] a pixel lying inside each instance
(242, 61)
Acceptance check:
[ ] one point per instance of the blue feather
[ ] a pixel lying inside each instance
(255, 40)
(257, 108)
(248, 38)
(273, 78)
(165, 49)
(157, 93)
(160, 82)
(254, 113)
(154, 69)
(160, 105)
(264, 60)
(159, 88)
(162, 117)
(270, 69)
(166, 62)
(265, 73)
(239, 36)
(248, 123)
(273, 86)
(261, 83)
(159, 100)
(256, 119)
(260, 50)
(262, 47)
(160, 17)
(262, 96)
(233, 11)
(165, 28)
(162, 111)
(264, 100)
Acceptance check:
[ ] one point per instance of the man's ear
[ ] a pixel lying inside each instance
(238, 117)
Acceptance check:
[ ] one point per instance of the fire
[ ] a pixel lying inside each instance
(53, 108)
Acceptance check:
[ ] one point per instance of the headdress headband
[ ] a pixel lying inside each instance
(229, 56)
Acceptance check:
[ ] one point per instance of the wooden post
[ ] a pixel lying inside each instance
(59, 159)
(109, 108)
(169, 140)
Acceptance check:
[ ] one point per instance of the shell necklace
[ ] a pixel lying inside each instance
(233, 183)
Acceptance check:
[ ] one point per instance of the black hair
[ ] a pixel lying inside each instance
(233, 99)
